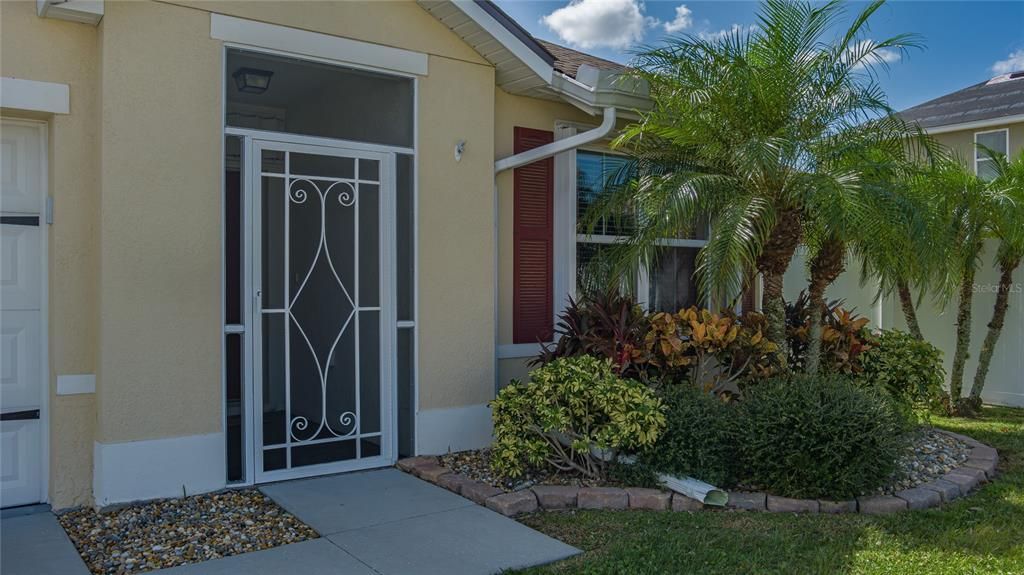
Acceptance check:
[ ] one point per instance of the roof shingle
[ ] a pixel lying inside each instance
(985, 101)
(568, 61)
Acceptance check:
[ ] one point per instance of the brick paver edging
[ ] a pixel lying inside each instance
(979, 468)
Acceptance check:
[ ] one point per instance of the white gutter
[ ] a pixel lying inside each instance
(989, 123)
(557, 147)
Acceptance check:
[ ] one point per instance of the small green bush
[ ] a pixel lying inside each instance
(699, 438)
(571, 406)
(908, 369)
(803, 436)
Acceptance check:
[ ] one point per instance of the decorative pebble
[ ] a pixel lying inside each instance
(928, 455)
(165, 533)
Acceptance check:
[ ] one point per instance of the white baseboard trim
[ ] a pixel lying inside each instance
(156, 468)
(453, 429)
(76, 384)
(1003, 398)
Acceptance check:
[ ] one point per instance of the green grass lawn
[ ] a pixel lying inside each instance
(982, 533)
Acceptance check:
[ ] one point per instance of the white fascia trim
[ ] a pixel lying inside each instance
(84, 11)
(990, 123)
(76, 384)
(34, 96)
(450, 429)
(521, 51)
(157, 468)
(322, 46)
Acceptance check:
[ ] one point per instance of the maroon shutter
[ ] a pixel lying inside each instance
(532, 238)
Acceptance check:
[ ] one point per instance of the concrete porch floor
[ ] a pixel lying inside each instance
(382, 522)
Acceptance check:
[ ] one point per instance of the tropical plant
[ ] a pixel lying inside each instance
(1007, 226)
(844, 337)
(908, 255)
(968, 208)
(699, 438)
(737, 132)
(908, 369)
(714, 352)
(817, 437)
(602, 324)
(863, 214)
(575, 414)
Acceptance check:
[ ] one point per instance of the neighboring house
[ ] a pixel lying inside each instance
(990, 114)
(251, 241)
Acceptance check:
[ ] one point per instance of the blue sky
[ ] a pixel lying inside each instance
(966, 42)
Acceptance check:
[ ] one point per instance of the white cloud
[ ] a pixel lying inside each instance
(1013, 63)
(718, 35)
(885, 55)
(600, 23)
(683, 20)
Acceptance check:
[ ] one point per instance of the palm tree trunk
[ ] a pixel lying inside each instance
(909, 310)
(772, 263)
(995, 327)
(963, 338)
(826, 266)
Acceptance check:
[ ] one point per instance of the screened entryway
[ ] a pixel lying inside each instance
(319, 258)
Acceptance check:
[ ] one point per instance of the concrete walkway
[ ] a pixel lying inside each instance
(381, 522)
(35, 544)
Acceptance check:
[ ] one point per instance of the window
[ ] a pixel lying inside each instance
(669, 285)
(986, 143)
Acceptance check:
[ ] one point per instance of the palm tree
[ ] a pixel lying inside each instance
(967, 207)
(733, 134)
(907, 254)
(864, 211)
(1006, 225)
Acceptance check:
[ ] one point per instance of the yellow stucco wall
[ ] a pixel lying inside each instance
(160, 218)
(136, 258)
(160, 228)
(53, 51)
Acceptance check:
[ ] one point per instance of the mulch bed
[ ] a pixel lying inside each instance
(171, 532)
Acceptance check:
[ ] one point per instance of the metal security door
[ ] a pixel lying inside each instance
(323, 322)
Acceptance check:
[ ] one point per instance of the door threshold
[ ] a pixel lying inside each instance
(21, 510)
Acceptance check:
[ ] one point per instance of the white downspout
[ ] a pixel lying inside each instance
(554, 148)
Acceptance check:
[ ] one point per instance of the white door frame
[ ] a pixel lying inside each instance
(44, 303)
(252, 273)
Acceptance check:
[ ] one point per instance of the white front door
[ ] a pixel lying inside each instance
(323, 319)
(22, 373)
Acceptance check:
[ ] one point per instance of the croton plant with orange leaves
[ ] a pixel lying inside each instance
(716, 352)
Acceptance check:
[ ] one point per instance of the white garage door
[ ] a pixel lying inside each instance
(21, 300)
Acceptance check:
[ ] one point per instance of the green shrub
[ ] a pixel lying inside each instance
(803, 436)
(570, 407)
(909, 369)
(699, 438)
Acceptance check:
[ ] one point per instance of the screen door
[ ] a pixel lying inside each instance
(322, 349)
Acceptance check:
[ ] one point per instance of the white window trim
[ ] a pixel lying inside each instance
(327, 48)
(34, 96)
(565, 234)
(977, 151)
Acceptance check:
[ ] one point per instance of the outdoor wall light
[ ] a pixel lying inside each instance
(252, 80)
(460, 147)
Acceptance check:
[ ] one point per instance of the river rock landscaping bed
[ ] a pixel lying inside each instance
(937, 467)
(166, 533)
